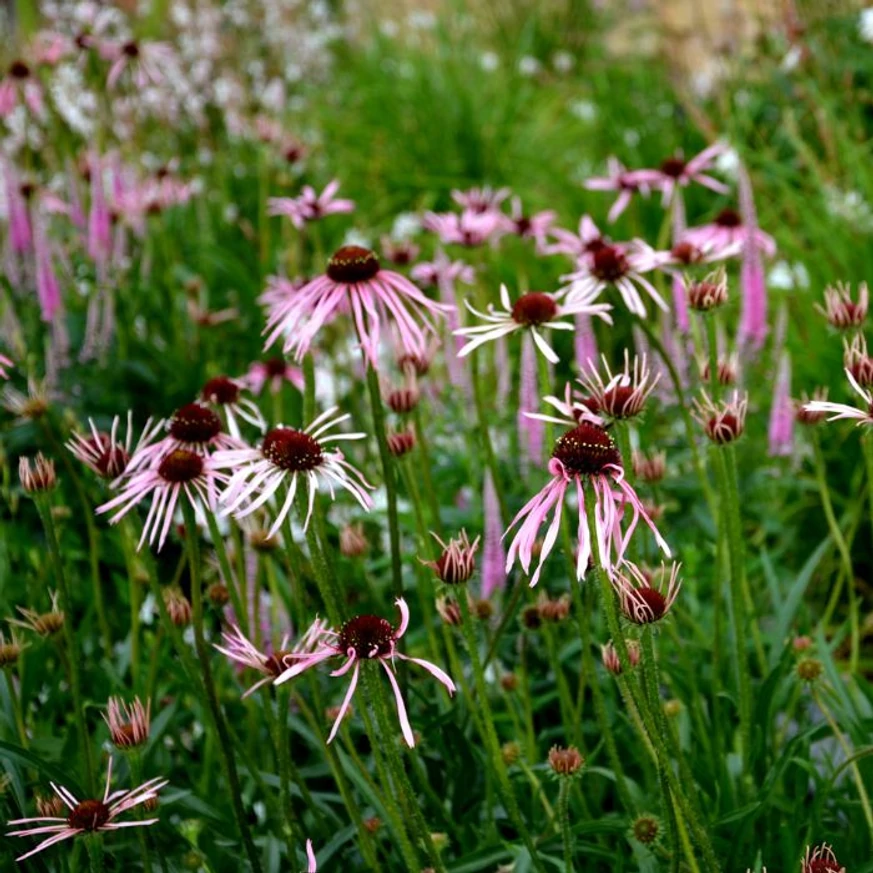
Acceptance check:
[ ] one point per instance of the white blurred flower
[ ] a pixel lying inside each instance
(788, 277)
(585, 110)
(529, 65)
(406, 225)
(563, 61)
(489, 61)
(865, 24)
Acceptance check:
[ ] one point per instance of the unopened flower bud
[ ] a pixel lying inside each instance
(672, 708)
(218, 594)
(510, 752)
(611, 660)
(401, 442)
(352, 541)
(38, 478)
(457, 563)
(651, 468)
(709, 292)
(178, 607)
(509, 682)
(565, 761)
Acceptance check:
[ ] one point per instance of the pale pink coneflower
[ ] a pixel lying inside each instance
(20, 87)
(837, 411)
(309, 206)
(467, 229)
(493, 554)
(192, 428)
(840, 310)
(274, 373)
(535, 226)
(225, 394)
(530, 312)
(179, 474)
(622, 394)
(675, 172)
(725, 421)
(401, 253)
(311, 865)
(621, 267)
(585, 456)
(18, 193)
(128, 725)
(148, 62)
(106, 453)
(580, 245)
(481, 200)
(285, 457)
(88, 816)
(780, 432)
(243, 652)
(625, 182)
(641, 601)
(729, 229)
(365, 638)
(354, 279)
(820, 859)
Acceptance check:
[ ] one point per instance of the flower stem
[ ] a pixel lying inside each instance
(426, 467)
(15, 700)
(712, 347)
(216, 715)
(43, 505)
(94, 844)
(388, 474)
(376, 695)
(564, 816)
(840, 542)
(242, 614)
(849, 752)
(485, 436)
(491, 739)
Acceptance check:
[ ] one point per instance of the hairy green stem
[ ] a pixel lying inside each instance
(564, 817)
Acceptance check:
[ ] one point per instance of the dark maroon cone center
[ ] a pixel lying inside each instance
(673, 167)
(727, 421)
(534, 308)
(656, 602)
(274, 664)
(221, 390)
(685, 253)
(110, 461)
(130, 49)
(352, 264)
(19, 70)
(609, 264)
(291, 449)
(729, 218)
(618, 401)
(369, 636)
(275, 367)
(181, 466)
(823, 865)
(124, 737)
(586, 450)
(89, 815)
(596, 244)
(194, 423)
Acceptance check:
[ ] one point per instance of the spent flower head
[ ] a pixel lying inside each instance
(725, 421)
(38, 478)
(840, 310)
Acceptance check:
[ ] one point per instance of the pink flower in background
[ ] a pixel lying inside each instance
(675, 172)
(481, 200)
(493, 554)
(583, 456)
(442, 269)
(780, 431)
(620, 266)
(535, 226)
(19, 86)
(311, 866)
(225, 395)
(363, 638)
(531, 431)
(467, 229)
(580, 245)
(17, 194)
(355, 280)
(4, 363)
(88, 816)
(48, 291)
(179, 474)
(840, 310)
(753, 315)
(99, 220)
(287, 456)
(625, 182)
(530, 312)
(149, 63)
(309, 206)
(821, 859)
(273, 372)
(728, 229)
(106, 453)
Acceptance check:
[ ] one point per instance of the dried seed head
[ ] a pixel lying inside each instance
(531, 618)
(809, 669)
(10, 650)
(646, 829)
(509, 682)
(565, 761)
(554, 611)
(218, 594)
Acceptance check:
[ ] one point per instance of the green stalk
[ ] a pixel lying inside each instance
(216, 715)
(843, 550)
(564, 816)
(94, 844)
(376, 697)
(426, 467)
(738, 605)
(867, 444)
(43, 505)
(484, 433)
(16, 708)
(239, 609)
(712, 346)
(388, 474)
(850, 756)
(491, 739)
